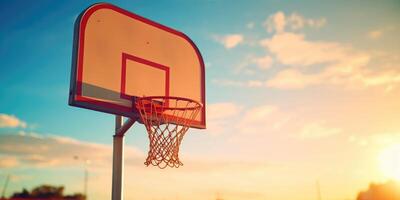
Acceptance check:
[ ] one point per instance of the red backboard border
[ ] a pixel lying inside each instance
(76, 98)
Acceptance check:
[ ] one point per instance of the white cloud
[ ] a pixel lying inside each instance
(266, 121)
(296, 21)
(250, 25)
(258, 114)
(264, 62)
(375, 34)
(230, 41)
(225, 82)
(382, 139)
(383, 78)
(220, 115)
(308, 63)
(293, 49)
(311, 63)
(317, 23)
(276, 22)
(258, 120)
(20, 178)
(251, 64)
(8, 162)
(285, 79)
(254, 84)
(37, 152)
(279, 22)
(378, 33)
(243, 122)
(317, 130)
(292, 79)
(333, 63)
(235, 83)
(217, 111)
(30, 149)
(11, 121)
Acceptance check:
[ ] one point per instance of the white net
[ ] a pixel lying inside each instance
(166, 119)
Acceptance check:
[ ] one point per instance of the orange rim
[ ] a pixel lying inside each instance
(197, 105)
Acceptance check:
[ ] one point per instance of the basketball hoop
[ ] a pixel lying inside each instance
(166, 119)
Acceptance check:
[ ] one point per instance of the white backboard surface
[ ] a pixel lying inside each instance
(119, 55)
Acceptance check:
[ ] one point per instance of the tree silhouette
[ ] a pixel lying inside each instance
(24, 194)
(386, 191)
(46, 192)
(76, 196)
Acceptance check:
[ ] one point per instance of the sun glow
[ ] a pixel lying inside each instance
(390, 162)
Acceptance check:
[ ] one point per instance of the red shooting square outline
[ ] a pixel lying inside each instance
(125, 58)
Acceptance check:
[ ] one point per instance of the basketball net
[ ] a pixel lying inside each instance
(166, 119)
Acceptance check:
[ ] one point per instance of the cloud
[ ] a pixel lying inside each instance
(251, 64)
(264, 62)
(31, 149)
(10, 121)
(276, 22)
(20, 178)
(382, 139)
(243, 122)
(219, 116)
(292, 79)
(293, 49)
(253, 123)
(378, 33)
(225, 82)
(230, 41)
(257, 120)
(334, 75)
(256, 117)
(236, 83)
(8, 162)
(375, 34)
(45, 154)
(317, 130)
(250, 25)
(297, 21)
(309, 63)
(285, 79)
(217, 111)
(316, 62)
(279, 22)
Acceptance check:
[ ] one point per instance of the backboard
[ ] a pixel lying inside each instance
(119, 55)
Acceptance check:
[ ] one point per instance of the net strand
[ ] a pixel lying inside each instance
(166, 120)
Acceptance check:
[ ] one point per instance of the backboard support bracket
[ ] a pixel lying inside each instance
(121, 128)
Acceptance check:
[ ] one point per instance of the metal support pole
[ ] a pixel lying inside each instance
(118, 156)
(118, 162)
(5, 186)
(85, 175)
(85, 187)
(318, 190)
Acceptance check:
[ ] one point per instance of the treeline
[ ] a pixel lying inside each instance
(46, 192)
(384, 191)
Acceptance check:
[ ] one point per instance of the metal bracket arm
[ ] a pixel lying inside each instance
(121, 130)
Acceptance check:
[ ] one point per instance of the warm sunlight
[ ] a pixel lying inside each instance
(390, 162)
(260, 99)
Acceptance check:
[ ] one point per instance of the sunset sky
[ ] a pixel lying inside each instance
(298, 92)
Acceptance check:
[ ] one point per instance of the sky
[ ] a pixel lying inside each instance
(297, 93)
